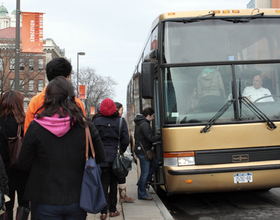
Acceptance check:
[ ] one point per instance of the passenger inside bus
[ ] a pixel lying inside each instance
(256, 92)
(210, 90)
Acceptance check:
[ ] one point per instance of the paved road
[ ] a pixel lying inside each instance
(249, 205)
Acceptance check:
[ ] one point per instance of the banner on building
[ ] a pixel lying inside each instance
(92, 110)
(82, 91)
(32, 32)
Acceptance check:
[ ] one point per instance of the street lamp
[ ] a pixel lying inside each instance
(82, 54)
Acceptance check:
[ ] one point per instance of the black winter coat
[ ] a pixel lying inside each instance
(144, 132)
(108, 128)
(56, 164)
(8, 128)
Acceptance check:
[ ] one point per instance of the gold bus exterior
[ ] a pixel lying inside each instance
(225, 137)
(220, 177)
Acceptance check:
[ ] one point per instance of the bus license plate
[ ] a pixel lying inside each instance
(243, 178)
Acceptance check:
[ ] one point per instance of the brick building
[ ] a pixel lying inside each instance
(264, 4)
(32, 65)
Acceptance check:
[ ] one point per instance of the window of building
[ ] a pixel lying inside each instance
(21, 64)
(12, 63)
(40, 85)
(31, 64)
(12, 84)
(41, 64)
(21, 85)
(31, 85)
(1, 64)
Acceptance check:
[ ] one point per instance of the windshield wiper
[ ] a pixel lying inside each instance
(245, 19)
(217, 116)
(262, 116)
(199, 18)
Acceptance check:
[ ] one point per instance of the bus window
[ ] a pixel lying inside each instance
(195, 94)
(221, 40)
(260, 84)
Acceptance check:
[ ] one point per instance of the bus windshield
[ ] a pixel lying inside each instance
(194, 94)
(221, 40)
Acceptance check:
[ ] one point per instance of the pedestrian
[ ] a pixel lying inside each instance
(4, 186)
(54, 151)
(56, 67)
(143, 135)
(122, 181)
(108, 126)
(97, 114)
(11, 116)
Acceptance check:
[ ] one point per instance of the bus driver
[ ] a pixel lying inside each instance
(257, 91)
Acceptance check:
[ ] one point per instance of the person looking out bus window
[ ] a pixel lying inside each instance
(257, 91)
(144, 135)
(210, 90)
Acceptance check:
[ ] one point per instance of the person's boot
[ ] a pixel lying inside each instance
(22, 213)
(124, 197)
(8, 215)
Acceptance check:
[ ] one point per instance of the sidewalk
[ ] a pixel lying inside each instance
(139, 209)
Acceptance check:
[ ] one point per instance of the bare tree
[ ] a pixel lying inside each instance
(97, 87)
(30, 67)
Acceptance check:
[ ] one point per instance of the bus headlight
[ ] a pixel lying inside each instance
(179, 158)
(183, 161)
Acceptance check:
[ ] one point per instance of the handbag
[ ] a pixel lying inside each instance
(14, 145)
(92, 198)
(121, 165)
(149, 154)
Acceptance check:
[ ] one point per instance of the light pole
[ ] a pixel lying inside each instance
(82, 54)
(17, 46)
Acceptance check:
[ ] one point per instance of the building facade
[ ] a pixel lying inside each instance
(32, 65)
(264, 4)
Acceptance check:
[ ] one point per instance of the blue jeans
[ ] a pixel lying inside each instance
(147, 170)
(60, 212)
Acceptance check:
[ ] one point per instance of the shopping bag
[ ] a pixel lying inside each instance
(92, 198)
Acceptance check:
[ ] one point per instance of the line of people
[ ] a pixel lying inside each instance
(52, 159)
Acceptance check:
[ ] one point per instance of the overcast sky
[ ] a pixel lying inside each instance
(111, 32)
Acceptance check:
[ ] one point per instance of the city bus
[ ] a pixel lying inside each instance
(195, 71)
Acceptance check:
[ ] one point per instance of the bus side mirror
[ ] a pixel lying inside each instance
(148, 80)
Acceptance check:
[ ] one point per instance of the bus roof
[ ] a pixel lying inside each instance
(218, 13)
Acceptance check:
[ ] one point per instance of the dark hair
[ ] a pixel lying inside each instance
(58, 67)
(148, 111)
(60, 99)
(118, 105)
(11, 103)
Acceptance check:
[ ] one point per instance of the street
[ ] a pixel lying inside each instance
(245, 205)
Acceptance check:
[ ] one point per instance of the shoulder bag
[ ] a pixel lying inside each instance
(14, 145)
(92, 198)
(149, 154)
(121, 165)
